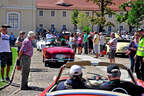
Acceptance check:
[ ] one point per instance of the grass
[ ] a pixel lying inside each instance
(14, 54)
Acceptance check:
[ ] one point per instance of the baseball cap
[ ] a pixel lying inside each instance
(5, 25)
(22, 32)
(75, 70)
(113, 69)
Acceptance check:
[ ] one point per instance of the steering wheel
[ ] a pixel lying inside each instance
(119, 89)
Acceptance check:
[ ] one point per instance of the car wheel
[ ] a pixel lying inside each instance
(46, 64)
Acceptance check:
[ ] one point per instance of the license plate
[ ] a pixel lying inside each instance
(60, 60)
(60, 56)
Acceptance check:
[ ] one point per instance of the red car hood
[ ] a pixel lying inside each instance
(53, 50)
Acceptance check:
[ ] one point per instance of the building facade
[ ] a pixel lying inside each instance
(19, 14)
(29, 15)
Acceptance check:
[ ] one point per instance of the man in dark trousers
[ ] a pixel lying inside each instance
(25, 54)
(139, 64)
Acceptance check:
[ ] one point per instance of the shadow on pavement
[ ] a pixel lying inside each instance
(15, 85)
(38, 70)
(34, 88)
(121, 56)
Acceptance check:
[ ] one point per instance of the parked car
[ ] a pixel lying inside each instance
(41, 44)
(122, 46)
(92, 82)
(54, 55)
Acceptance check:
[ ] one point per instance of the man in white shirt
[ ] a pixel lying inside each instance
(5, 52)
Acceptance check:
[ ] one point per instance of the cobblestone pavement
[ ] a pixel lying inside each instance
(41, 77)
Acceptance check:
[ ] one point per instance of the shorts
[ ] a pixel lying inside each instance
(6, 59)
(95, 46)
(112, 54)
(79, 45)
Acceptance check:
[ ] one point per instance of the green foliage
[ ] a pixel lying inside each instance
(134, 13)
(14, 54)
(86, 28)
(75, 16)
(99, 18)
(82, 20)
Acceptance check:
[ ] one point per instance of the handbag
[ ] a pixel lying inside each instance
(128, 52)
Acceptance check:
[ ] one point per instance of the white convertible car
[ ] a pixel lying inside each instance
(42, 44)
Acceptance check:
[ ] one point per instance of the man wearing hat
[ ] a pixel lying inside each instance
(19, 40)
(5, 52)
(139, 64)
(116, 85)
(75, 82)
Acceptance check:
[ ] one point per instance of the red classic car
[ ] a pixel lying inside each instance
(55, 56)
(91, 81)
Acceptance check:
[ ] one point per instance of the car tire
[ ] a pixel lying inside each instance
(46, 64)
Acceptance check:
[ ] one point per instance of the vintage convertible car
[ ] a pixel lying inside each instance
(91, 79)
(55, 55)
(122, 46)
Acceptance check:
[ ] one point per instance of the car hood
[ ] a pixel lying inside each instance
(121, 45)
(53, 50)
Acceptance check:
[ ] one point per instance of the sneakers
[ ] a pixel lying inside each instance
(2, 80)
(7, 79)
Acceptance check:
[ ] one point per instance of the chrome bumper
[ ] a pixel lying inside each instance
(57, 60)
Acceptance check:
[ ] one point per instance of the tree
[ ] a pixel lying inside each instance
(104, 10)
(75, 18)
(134, 13)
(82, 20)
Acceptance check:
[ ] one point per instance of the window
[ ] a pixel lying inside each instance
(110, 15)
(52, 13)
(40, 25)
(52, 28)
(121, 28)
(64, 13)
(40, 13)
(109, 28)
(63, 28)
(52, 25)
(87, 13)
(13, 19)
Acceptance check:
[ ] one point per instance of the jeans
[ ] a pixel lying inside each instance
(139, 68)
(132, 62)
(86, 48)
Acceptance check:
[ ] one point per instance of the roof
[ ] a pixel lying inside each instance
(74, 4)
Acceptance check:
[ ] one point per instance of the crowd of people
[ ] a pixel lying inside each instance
(81, 43)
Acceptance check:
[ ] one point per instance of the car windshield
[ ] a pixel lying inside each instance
(96, 74)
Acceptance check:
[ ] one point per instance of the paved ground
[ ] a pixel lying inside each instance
(41, 77)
